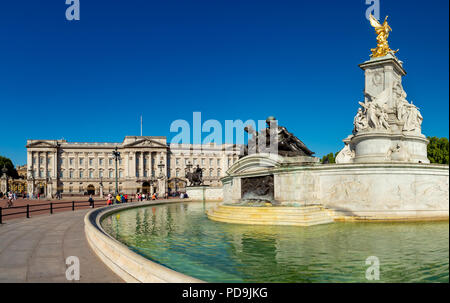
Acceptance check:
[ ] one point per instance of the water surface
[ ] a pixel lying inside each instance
(181, 237)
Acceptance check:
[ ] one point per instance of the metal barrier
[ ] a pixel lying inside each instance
(28, 209)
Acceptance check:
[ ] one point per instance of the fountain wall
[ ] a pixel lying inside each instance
(400, 191)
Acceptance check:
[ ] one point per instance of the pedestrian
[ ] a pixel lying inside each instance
(91, 201)
(118, 198)
(10, 200)
(126, 198)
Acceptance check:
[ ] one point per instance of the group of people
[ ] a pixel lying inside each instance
(146, 197)
(123, 198)
(119, 198)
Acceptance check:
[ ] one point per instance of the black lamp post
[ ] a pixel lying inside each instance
(116, 155)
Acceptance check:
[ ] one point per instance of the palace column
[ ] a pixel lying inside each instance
(55, 165)
(141, 165)
(133, 164)
(45, 164)
(30, 168)
(126, 165)
(158, 175)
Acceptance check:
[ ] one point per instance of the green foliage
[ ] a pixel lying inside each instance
(331, 158)
(12, 172)
(438, 150)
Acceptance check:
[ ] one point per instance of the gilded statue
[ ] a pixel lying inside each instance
(382, 31)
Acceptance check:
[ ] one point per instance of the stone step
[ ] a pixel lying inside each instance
(317, 221)
(268, 215)
(272, 210)
(297, 216)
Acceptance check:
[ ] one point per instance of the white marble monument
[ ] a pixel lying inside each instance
(387, 127)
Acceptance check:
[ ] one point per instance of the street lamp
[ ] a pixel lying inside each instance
(116, 156)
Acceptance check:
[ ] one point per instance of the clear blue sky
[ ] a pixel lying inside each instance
(90, 80)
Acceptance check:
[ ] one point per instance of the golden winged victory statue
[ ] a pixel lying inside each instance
(382, 31)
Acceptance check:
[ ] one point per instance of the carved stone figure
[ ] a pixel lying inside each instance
(383, 118)
(284, 142)
(346, 155)
(407, 112)
(413, 120)
(359, 122)
(398, 153)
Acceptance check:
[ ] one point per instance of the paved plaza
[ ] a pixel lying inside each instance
(35, 250)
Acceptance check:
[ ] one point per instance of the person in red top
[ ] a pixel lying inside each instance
(126, 198)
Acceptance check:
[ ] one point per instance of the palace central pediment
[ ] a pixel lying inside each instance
(145, 143)
(43, 144)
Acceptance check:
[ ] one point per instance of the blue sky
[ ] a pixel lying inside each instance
(90, 80)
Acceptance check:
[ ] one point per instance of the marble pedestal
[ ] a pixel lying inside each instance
(388, 147)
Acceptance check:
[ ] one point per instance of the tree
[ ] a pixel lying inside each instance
(330, 158)
(438, 150)
(6, 162)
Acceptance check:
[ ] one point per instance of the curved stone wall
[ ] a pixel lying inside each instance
(127, 264)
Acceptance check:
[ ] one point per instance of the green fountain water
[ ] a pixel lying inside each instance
(181, 237)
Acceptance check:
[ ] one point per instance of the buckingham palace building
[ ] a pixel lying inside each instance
(147, 164)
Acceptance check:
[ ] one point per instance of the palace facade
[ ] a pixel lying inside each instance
(147, 164)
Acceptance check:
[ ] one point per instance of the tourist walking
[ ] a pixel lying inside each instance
(91, 201)
(10, 200)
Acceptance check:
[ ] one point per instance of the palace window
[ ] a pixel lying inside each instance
(110, 161)
(177, 161)
(120, 174)
(218, 172)
(177, 173)
(100, 161)
(195, 161)
(71, 174)
(71, 161)
(210, 162)
(229, 162)
(100, 174)
(61, 174)
(81, 161)
(41, 173)
(91, 174)
(218, 162)
(145, 173)
(110, 173)
(203, 162)
(91, 161)
(210, 172)
(81, 174)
